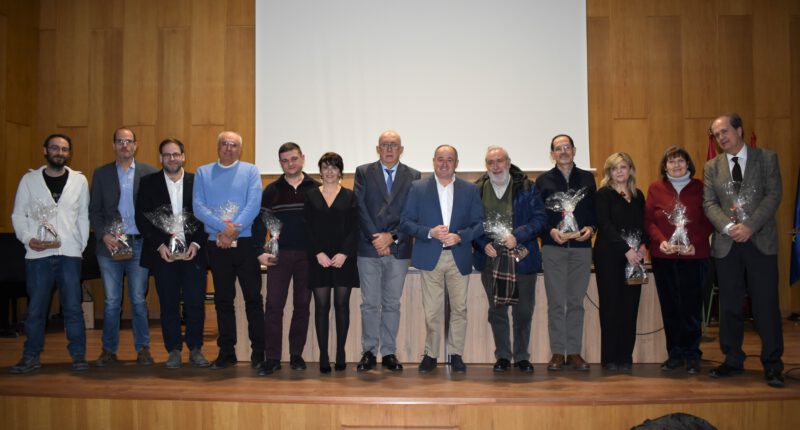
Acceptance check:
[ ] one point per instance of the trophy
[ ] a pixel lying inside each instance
(177, 226)
(227, 212)
(274, 227)
(497, 227)
(679, 241)
(117, 229)
(635, 274)
(566, 202)
(46, 233)
(742, 197)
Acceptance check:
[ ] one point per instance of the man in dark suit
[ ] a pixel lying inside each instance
(114, 189)
(444, 214)
(384, 252)
(165, 196)
(745, 245)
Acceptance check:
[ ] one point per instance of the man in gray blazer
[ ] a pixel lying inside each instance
(384, 252)
(114, 189)
(745, 245)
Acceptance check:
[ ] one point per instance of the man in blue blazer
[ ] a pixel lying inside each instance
(163, 195)
(745, 247)
(384, 252)
(444, 214)
(114, 189)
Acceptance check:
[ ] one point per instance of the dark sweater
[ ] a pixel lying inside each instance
(552, 182)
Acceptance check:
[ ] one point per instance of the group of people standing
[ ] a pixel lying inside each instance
(332, 239)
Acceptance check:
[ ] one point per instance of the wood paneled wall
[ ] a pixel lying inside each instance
(659, 72)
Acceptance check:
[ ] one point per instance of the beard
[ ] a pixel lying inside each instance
(499, 178)
(56, 162)
(172, 170)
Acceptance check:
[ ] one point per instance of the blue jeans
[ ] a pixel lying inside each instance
(112, 272)
(41, 274)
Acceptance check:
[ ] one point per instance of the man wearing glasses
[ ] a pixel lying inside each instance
(172, 252)
(47, 261)
(384, 252)
(114, 189)
(567, 262)
(227, 198)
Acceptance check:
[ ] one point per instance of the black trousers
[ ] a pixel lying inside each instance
(226, 266)
(746, 270)
(679, 283)
(176, 281)
(619, 310)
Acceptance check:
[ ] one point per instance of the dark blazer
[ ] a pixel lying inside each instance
(154, 197)
(423, 212)
(105, 198)
(762, 173)
(378, 211)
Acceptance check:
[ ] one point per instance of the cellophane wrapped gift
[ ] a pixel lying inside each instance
(565, 202)
(45, 214)
(635, 274)
(117, 229)
(227, 212)
(177, 226)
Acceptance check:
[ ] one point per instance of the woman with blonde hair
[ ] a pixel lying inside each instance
(620, 212)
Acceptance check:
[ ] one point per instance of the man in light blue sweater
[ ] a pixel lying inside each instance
(227, 198)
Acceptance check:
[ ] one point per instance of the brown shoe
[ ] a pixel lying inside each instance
(556, 362)
(577, 362)
(143, 358)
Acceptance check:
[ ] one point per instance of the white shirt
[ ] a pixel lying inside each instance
(175, 189)
(445, 200)
(742, 160)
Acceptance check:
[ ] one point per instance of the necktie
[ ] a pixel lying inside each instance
(736, 173)
(389, 181)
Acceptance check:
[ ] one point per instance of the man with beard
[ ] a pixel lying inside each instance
(165, 196)
(567, 262)
(66, 192)
(444, 214)
(114, 189)
(515, 215)
(284, 199)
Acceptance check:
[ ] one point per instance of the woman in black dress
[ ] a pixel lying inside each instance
(331, 219)
(620, 211)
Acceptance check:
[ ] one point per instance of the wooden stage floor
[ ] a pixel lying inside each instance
(630, 397)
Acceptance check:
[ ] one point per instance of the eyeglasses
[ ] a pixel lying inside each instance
(174, 156)
(563, 148)
(123, 142)
(229, 144)
(389, 145)
(64, 149)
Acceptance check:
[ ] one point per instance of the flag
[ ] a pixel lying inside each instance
(794, 271)
(753, 139)
(712, 149)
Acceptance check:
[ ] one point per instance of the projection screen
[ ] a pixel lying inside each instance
(332, 74)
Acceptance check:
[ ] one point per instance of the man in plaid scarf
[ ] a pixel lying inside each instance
(507, 255)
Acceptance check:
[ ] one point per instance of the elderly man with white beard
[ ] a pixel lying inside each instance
(507, 255)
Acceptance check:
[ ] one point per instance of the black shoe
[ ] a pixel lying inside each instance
(324, 366)
(339, 367)
(524, 366)
(625, 367)
(501, 365)
(269, 366)
(256, 358)
(612, 367)
(25, 365)
(693, 367)
(672, 364)
(457, 364)
(427, 364)
(223, 361)
(296, 362)
(390, 362)
(368, 362)
(79, 363)
(725, 370)
(774, 378)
